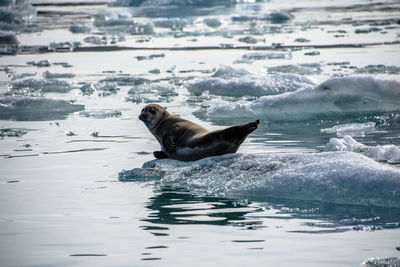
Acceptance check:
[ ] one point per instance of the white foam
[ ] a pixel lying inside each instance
(251, 85)
(336, 177)
(386, 153)
(334, 97)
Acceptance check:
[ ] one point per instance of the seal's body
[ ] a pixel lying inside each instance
(184, 140)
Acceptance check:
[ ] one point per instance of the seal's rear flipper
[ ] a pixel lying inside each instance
(160, 155)
(241, 130)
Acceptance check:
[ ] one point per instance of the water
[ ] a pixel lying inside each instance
(318, 184)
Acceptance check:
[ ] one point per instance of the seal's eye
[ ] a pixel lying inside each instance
(152, 111)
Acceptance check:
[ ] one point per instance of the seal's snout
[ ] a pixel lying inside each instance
(142, 117)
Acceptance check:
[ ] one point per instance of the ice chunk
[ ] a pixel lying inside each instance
(124, 80)
(347, 143)
(229, 72)
(374, 69)
(50, 75)
(12, 132)
(100, 114)
(121, 23)
(79, 29)
(40, 63)
(353, 129)
(382, 262)
(336, 97)
(301, 69)
(386, 153)
(263, 56)
(96, 40)
(35, 108)
(104, 86)
(275, 16)
(212, 22)
(148, 93)
(173, 24)
(200, 3)
(250, 85)
(44, 86)
(8, 43)
(336, 177)
(16, 15)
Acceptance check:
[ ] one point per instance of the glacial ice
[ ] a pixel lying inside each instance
(124, 80)
(250, 85)
(262, 56)
(100, 114)
(340, 96)
(45, 86)
(352, 129)
(8, 43)
(148, 93)
(336, 177)
(301, 69)
(51, 75)
(199, 3)
(385, 153)
(35, 108)
(275, 17)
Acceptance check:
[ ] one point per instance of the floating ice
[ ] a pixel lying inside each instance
(352, 129)
(250, 40)
(95, 40)
(124, 80)
(275, 16)
(150, 57)
(16, 15)
(100, 114)
(212, 22)
(301, 69)
(250, 85)
(44, 86)
(79, 29)
(8, 43)
(121, 23)
(35, 108)
(50, 75)
(40, 63)
(386, 153)
(200, 3)
(374, 69)
(173, 24)
(104, 86)
(341, 96)
(12, 132)
(229, 72)
(263, 56)
(382, 262)
(148, 93)
(336, 177)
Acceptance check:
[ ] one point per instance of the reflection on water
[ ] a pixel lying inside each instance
(172, 206)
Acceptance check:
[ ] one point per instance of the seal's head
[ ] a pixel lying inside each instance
(152, 114)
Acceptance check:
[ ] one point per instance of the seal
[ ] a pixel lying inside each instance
(187, 141)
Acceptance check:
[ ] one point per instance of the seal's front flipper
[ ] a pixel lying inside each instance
(160, 155)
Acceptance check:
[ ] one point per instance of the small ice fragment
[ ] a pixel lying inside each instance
(212, 22)
(312, 53)
(40, 63)
(79, 29)
(70, 133)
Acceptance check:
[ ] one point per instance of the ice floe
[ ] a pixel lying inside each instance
(275, 16)
(352, 129)
(248, 85)
(45, 86)
(148, 93)
(301, 69)
(336, 177)
(335, 97)
(8, 43)
(35, 108)
(100, 114)
(385, 153)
